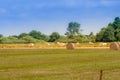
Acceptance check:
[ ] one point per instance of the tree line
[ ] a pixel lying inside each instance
(110, 33)
(73, 34)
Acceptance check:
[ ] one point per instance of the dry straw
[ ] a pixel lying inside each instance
(119, 45)
(114, 46)
(70, 46)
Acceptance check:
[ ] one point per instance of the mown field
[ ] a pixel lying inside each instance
(59, 64)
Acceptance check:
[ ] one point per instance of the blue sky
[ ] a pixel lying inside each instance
(47, 16)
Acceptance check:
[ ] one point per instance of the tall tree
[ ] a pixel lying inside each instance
(116, 26)
(73, 28)
(116, 23)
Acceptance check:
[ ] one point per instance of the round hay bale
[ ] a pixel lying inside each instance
(119, 45)
(70, 46)
(114, 46)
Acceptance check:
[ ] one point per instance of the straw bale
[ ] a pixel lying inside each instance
(70, 46)
(114, 46)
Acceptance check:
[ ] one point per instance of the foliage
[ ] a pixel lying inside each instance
(54, 36)
(108, 36)
(63, 39)
(10, 40)
(99, 35)
(5, 40)
(78, 38)
(91, 37)
(29, 39)
(22, 35)
(110, 33)
(118, 36)
(35, 34)
(45, 37)
(38, 35)
(73, 33)
(1, 35)
(81, 38)
(73, 28)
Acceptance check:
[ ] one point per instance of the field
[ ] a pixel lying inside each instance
(59, 64)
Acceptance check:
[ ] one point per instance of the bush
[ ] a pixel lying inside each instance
(29, 39)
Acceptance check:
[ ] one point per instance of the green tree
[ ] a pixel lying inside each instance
(99, 35)
(91, 37)
(63, 39)
(54, 36)
(22, 35)
(118, 36)
(73, 28)
(111, 33)
(29, 39)
(35, 34)
(14, 36)
(116, 23)
(1, 35)
(38, 35)
(4, 40)
(44, 37)
(8, 40)
(108, 36)
(80, 38)
(116, 26)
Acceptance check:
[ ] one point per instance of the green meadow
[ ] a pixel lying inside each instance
(59, 64)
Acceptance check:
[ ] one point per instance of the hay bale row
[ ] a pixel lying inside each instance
(114, 46)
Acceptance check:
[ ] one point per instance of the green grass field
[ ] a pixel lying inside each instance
(59, 64)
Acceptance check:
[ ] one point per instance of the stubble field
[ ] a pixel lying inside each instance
(59, 64)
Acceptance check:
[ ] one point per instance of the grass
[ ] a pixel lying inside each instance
(59, 64)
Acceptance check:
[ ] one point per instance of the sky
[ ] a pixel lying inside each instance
(47, 16)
